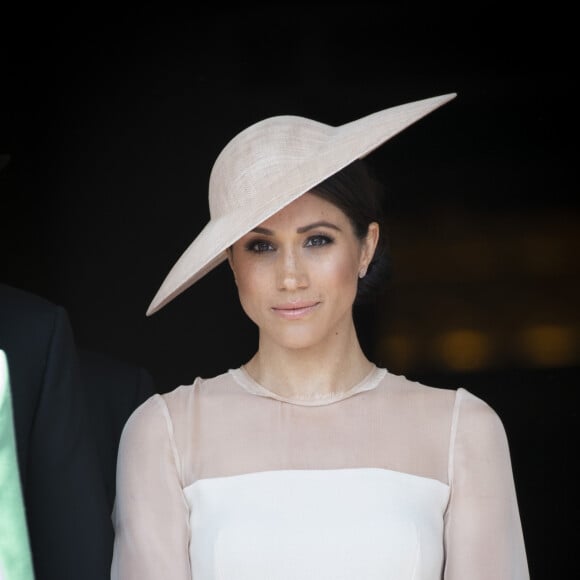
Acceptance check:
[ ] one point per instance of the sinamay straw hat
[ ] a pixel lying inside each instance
(270, 164)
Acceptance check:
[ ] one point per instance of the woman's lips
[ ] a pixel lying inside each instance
(295, 310)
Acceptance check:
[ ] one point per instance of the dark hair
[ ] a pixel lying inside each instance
(359, 194)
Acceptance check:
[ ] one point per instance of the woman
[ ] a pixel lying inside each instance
(309, 461)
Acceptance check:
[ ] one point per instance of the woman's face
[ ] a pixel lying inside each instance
(297, 272)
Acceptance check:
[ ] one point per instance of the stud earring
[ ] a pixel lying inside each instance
(362, 273)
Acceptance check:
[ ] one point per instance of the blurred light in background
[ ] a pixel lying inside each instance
(482, 291)
(464, 350)
(550, 345)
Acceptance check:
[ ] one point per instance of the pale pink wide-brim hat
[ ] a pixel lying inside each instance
(270, 164)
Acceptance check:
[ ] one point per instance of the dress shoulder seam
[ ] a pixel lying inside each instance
(459, 393)
(170, 434)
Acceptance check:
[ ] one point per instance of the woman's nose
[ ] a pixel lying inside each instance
(291, 272)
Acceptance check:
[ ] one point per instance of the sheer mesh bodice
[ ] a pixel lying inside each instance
(224, 479)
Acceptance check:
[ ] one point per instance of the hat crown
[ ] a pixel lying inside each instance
(259, 156)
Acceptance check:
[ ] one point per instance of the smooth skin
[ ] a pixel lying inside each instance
(297, 276)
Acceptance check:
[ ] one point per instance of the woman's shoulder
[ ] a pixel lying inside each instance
(449, 399)
(169, 407)
(209, 393)
(200, 387)
(415, 389)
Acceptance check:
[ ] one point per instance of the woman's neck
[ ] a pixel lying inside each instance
(331, 367)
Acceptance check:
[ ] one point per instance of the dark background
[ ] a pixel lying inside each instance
(112, 120)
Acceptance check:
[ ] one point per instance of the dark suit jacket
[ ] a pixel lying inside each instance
(66, 504)
(113, 389)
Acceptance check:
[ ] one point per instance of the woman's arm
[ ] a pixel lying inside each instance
(151, 516)
(483, 534)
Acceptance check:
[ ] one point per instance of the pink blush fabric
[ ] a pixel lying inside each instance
(424, 473)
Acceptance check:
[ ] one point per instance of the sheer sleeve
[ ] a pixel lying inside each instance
(150, 515)
(483, 537)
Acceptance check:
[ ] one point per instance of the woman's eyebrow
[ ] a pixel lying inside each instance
(264, 231)
(318, 225)
(301, 230)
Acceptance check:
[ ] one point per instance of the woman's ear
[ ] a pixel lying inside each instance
(369, 245)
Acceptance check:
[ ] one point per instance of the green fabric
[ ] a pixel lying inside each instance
(15, 557)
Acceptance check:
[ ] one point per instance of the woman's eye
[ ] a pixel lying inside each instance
(259, 246)
(319, 240)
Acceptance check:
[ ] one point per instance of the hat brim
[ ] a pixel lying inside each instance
(340, 146)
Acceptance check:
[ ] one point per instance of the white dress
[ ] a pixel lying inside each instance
(226, 480)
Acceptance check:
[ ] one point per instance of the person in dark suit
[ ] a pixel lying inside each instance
(65, 499)
(113, 390)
